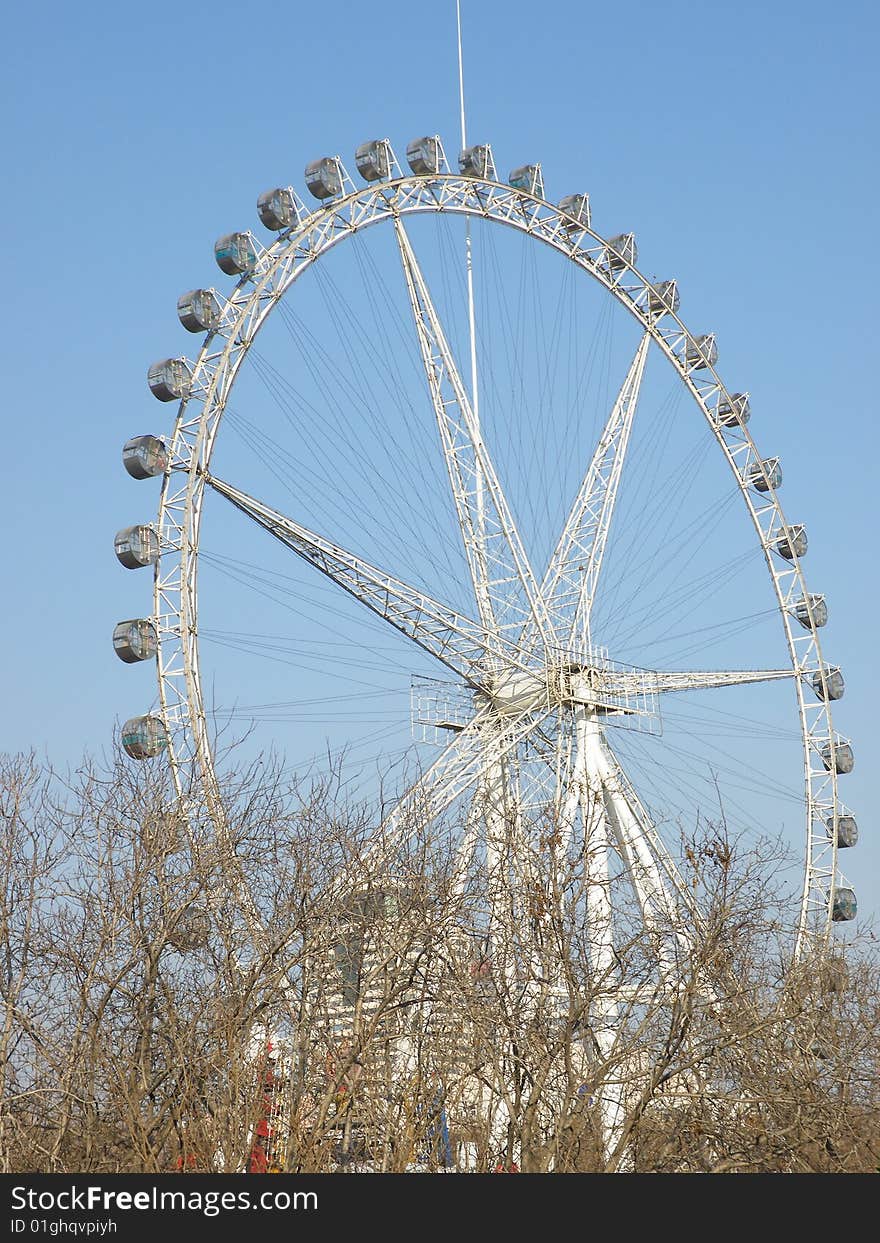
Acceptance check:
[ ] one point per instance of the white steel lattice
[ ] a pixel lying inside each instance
(524, 629)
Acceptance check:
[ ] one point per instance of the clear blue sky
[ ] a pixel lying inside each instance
(738, 141)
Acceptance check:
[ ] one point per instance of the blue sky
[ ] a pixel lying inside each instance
(738, 142)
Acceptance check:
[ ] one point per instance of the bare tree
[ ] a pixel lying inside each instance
(284, 995)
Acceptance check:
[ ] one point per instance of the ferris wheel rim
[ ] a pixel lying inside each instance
(248, 309)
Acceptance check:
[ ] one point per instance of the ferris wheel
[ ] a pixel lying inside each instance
(529, 520)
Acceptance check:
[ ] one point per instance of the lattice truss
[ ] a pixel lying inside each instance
(527, 704)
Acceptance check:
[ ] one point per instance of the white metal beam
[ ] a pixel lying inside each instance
(610, 686)
(569, 585)
(664, 682)
(660, 891)
(504, 585)
(484, 743)
(458, 642)
(604, 1008)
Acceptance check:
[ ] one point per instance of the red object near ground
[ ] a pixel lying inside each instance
(261, 1146)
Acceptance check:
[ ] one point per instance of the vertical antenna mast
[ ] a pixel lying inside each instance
(460, 73)
(479, 481)
(469, 259)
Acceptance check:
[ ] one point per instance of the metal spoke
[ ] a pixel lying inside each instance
(461, 644)
(605, 1006)
(617, 688)
(481, 746)
(504, 585)
(569, 584)
(651, 868)
(465, 855)
(663, 682)
(610, 800)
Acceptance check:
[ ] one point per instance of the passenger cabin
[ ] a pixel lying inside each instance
(621, 251)
(834, 974)
(701, 352)
(199, 310)
(792, 542)
(733, 410)
(528, 178)
(278, 208)
(135, 640)
(324, 177)
(811, 606)
(236, 253)
(847, 831)
(145, 456)
(425, 156)
(374, 160)
(477, 162)
(828, 683)
(164, 831)
(839, 756)
(170, 379)
(136, 547)
(663, 298)
(764, 475)
(144, 737)
(844, 905)
(575, 210)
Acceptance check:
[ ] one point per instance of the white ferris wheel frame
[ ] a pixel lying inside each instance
(213, 372)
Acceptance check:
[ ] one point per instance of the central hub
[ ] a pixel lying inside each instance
(512, 691)
(580, 684)
(517, 690)
(586, 681)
